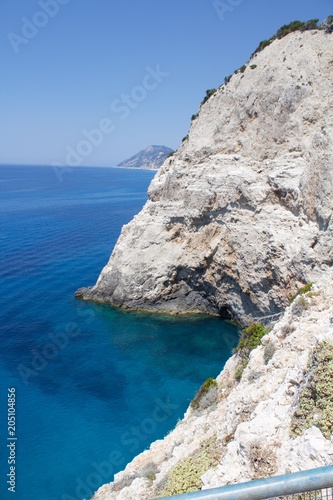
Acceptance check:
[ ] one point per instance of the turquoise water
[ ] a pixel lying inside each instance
(94, 385)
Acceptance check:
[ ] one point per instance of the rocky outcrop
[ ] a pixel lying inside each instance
(150, 158)
(249, 423)
(241, 215)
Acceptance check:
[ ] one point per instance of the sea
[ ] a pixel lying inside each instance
(84, 387)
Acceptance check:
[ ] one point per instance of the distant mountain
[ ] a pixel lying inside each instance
(150, 158)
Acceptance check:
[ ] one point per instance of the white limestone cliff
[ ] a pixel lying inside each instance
(241, 215)
(236, 221)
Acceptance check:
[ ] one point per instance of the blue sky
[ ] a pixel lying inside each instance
(92, 82)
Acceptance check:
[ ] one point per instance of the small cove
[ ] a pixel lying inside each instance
(95, 385)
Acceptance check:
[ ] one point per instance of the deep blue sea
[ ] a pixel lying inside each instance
(94, 386)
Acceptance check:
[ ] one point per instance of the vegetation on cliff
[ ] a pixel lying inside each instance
(316, 401)
(249, 340)
(205, 395)
(185, 477)
(312, 24)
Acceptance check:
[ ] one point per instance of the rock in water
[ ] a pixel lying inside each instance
(241, 215)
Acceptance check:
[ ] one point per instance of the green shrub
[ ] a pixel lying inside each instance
(269, 351)
(151, 476)
(301, 291)
(253, 66)
(185, 138)
(327, 25)
(316, 399)
(239, 371)
(242, 68)
(262, 45)
(289, 28)
(250, 339)
(209, 93)
(193, 117)
(286, 330)
(312, 24)
(149, 471)
(253, 375)
(294, 26)
(299, 306)
(185, 476)
(227, 79)
(206, 387)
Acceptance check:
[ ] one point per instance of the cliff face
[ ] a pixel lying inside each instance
(236, 221)
(240, 216)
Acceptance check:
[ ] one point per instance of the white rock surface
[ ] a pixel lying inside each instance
(241, 215)
(235, 222)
